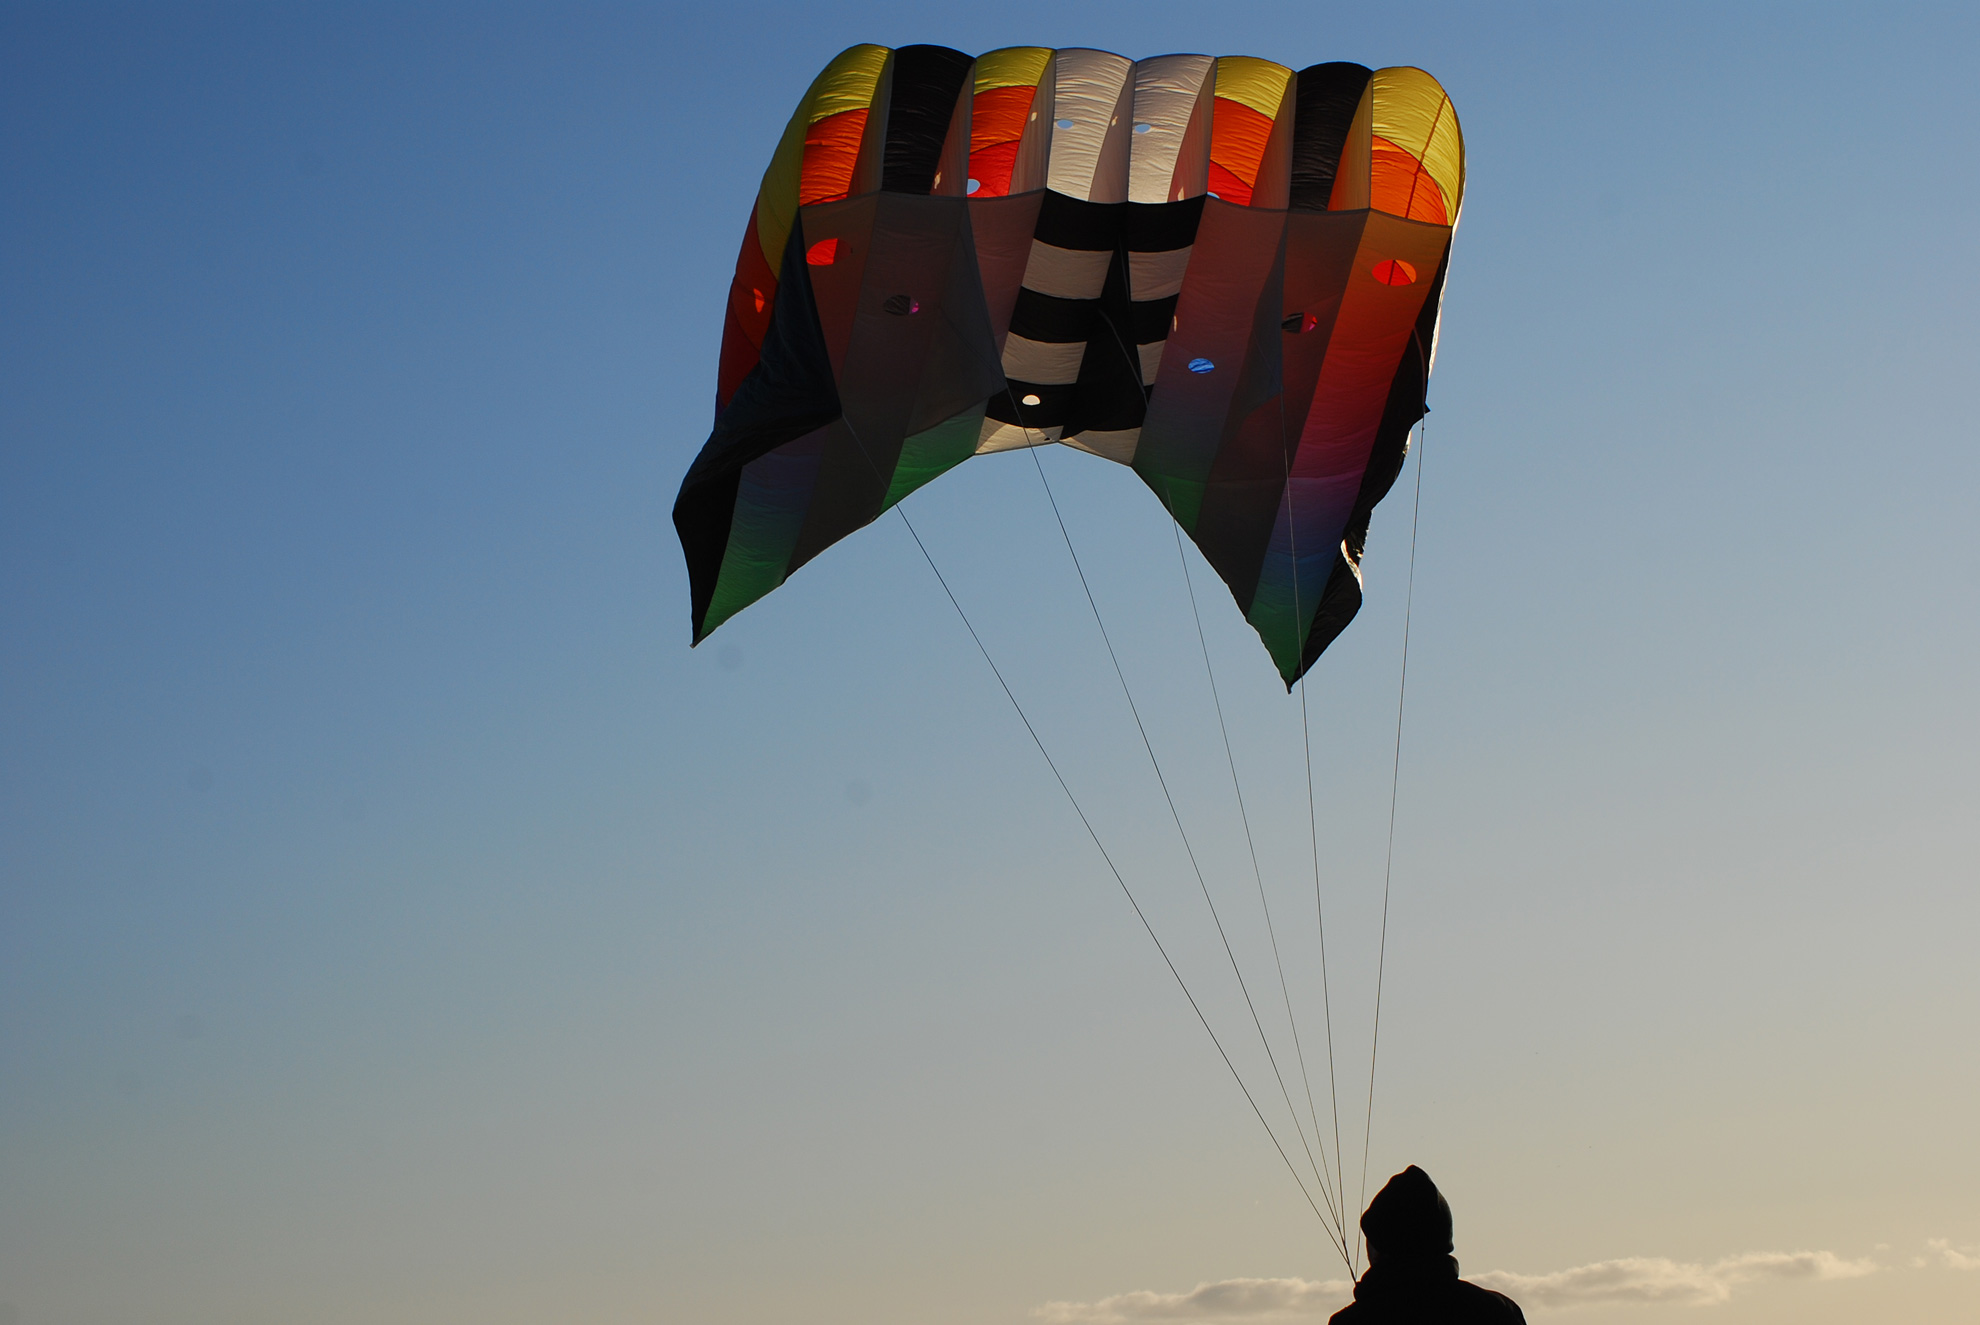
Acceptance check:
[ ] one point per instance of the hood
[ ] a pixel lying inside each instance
(1409, 1218)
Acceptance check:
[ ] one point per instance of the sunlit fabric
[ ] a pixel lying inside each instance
(1217, 271)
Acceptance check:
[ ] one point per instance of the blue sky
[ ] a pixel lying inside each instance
(399, 923)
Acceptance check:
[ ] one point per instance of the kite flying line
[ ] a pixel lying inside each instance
(1243, 986)
(1337, 1235)
(1395, 778)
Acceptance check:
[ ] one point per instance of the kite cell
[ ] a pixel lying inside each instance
(1215, 270)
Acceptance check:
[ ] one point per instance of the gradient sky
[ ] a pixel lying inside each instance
(400, 924)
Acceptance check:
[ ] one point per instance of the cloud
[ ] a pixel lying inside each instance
(1632, 1279)
(1227, 1299)
(1953, 1256)
(1655, 1279)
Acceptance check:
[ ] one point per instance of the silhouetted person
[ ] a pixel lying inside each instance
(1412, 1278)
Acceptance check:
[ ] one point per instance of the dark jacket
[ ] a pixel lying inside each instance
(1424, 1291)
(1412, 1277)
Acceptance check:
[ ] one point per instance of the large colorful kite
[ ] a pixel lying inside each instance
(1218, 271)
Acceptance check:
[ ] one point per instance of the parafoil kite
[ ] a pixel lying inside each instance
(1215, 270)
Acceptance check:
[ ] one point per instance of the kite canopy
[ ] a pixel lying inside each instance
(1217, 271)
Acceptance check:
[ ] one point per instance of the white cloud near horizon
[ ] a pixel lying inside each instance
(1953, 1256)
(1646, 1279)
(1658, 1279)
(1227, 1299)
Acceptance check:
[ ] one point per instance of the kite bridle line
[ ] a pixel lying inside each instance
(1337, 1233)
(1105, 855)
(1202, 884)
(1312, 817)
(1258, 877)
(1395, 770)
(1337, 1197)
(1395, 779)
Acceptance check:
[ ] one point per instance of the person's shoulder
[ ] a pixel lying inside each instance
(1482, 1304)
(1347, 1315)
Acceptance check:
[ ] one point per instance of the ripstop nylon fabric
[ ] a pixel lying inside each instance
(1217, 271)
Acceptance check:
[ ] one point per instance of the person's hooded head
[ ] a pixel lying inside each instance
(1409, 1218)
